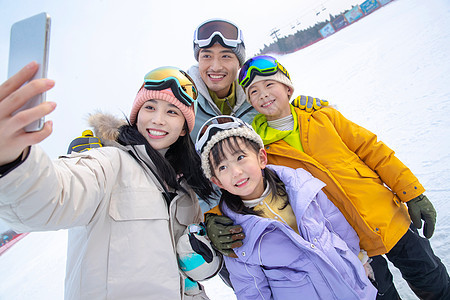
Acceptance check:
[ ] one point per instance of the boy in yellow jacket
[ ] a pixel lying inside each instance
(363, 177)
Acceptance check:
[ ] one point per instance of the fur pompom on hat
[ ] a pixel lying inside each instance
(166, 95)
(278, 76)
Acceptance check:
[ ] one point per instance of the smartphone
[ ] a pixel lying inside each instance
(30, 42)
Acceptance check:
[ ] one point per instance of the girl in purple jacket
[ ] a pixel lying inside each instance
(297, 242)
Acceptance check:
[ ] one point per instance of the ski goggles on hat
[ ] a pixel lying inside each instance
(177, 80)
(212, 31)
(220, 128)
(262, 65)
(214, 125)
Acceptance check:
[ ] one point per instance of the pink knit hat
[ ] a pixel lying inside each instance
(144, 95)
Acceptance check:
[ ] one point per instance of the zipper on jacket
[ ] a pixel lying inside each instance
(229, 105)
(355, 273)
(259, 247)
(168, 196)
(256, 285)
(244, 112)
(204, 111)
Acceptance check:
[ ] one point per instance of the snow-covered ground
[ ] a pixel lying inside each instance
(389, 72)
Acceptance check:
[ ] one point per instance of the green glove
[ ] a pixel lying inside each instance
(309, 103)
(223, 234)
(421, 208)
(85, 142)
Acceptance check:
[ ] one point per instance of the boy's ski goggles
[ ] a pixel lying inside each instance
(177, 80)
(214, 125)
(262, 65)
(224, 32)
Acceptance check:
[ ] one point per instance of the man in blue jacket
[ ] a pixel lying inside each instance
(220, 51)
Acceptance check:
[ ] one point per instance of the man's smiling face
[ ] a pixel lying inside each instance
(218, 68)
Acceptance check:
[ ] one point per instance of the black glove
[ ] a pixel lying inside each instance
(85, 142)
(421, 208)
(223, 234)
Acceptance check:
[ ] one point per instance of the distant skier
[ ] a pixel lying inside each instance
(85, 142)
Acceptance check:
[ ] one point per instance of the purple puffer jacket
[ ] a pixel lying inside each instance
(320, 263)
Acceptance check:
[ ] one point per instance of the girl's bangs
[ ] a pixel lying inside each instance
(232, 144)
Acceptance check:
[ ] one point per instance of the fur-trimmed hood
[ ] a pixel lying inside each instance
(106, 127)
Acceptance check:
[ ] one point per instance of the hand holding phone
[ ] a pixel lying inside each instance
(14, 93)
(30, 42)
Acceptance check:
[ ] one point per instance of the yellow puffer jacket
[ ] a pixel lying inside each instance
(363, 177)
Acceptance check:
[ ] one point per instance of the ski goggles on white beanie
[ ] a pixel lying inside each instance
(169, 84)
(217, 129)
(263, 67)
(219, 31)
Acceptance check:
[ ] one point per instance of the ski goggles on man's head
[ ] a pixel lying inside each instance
(262, 65)
(217, 30)
(177, 80)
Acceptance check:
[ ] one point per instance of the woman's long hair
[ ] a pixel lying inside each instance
(234, 202)
(181, 161)
(187, 163)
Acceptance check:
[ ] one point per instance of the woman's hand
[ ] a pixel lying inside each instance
(13, 138)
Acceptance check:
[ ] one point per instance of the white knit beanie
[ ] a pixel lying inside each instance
(218, 132)
(278, 76)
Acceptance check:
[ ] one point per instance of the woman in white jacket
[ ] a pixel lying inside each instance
(125, 205)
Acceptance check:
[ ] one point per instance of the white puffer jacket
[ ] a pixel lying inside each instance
(122, 234)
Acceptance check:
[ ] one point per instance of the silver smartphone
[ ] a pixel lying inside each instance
(30, 42)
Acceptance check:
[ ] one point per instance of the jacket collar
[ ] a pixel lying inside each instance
(301, 187)
(106, 127)
(268, 134)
